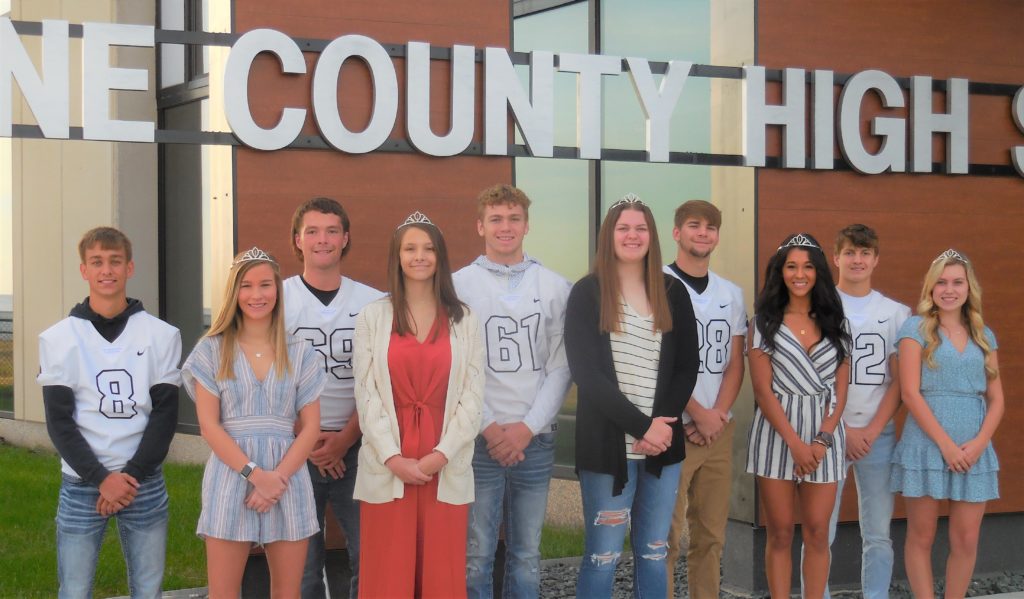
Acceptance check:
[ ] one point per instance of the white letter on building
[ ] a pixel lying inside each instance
(236, 89)
(48, 101)
(924, 123)
(588, 96)
(534, 115)
(417, 105)
(658, 103)
(824, 120)
(98, 78)
(325, 94)
(1017, 152)
(790, 114)
(893, 130)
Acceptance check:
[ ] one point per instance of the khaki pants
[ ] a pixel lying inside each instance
(703, 502)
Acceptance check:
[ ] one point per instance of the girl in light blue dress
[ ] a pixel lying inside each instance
(251, 383)
(949, 380)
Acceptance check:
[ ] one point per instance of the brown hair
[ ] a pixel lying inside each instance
(701, 209)
(228, 321)
(108, 238)
(448, 302)
(327, 206)
(607, 273)
(502, 194)
(859, 236)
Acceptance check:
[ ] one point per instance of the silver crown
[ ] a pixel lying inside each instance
(629, 198)
(255, 254)
(950, 254)
(417, 218)
(799, 241)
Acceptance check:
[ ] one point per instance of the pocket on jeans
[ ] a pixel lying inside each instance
(545, 440)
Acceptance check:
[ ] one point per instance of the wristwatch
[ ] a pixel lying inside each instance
(246, 470)
(825, 439)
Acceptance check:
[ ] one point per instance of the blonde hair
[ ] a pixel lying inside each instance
(228, 321)
(970, 313)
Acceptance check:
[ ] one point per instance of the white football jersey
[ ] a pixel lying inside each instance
(330, 330)
(522, 332)
(721, 316)
(110, 381)
(873, 328)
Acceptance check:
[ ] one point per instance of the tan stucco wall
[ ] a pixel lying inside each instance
(62, 188)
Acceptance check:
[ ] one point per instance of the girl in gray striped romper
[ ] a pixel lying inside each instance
(798, 354)
(251, 383)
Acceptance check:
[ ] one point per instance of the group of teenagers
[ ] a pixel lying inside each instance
(426, 416)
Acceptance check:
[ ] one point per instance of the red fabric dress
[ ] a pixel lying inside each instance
(415, 546)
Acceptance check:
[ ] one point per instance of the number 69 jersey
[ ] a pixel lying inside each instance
(110, 380)
(329, 329)
(874, 322)
(721, 315)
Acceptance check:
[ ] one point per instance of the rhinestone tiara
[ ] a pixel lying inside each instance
(629, 198)
(417, 218)
(799, 241)
(950, 254)
(255, 254)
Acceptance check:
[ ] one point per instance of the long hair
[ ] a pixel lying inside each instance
(448, 302)
(826, 307)
(970, 313)
(228, 321)
(607, 273)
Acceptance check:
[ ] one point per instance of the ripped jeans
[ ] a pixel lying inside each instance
(645, 507)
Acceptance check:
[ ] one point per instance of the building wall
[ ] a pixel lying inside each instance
(917, 216)
(379, 189)
(62, 188)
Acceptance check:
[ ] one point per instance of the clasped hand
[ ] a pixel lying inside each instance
(268, 486)
(807, 457)
(506, 444)
(117, 491)
(658, 437)
(328, 454)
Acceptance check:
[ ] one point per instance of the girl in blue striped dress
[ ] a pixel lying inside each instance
(251, 382)
(798, 354)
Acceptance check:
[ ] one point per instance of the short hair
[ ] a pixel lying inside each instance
(502, 194)
(698, 209)
(108, 238)
(327, 206)
(859, 236)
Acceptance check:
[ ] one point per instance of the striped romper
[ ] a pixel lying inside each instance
(805, 386)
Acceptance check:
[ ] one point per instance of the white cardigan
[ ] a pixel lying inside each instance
(375, 483)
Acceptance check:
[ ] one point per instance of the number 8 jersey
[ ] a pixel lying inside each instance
(721, 315)
(110, 380)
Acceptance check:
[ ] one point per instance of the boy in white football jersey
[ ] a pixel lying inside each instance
(521, 306)
(706, 478)
(110, 380)
(321, 306)
(871, 401)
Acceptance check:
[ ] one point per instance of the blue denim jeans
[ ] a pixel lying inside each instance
(339, 493)
(874, 501)
(517, 496)
(142, 527)
(646, 505)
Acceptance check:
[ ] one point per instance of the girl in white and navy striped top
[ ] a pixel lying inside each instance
(798, 353)
(631, 342)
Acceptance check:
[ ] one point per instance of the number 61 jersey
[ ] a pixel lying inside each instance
(110, 380)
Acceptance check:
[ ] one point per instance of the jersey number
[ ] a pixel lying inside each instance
(714, 338)
(509, 342)
(116, 391)
(338, 345)
(868, 360)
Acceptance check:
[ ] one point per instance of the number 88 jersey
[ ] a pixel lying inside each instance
(721, 316)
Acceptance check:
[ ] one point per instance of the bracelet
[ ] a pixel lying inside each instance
(820, 442)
